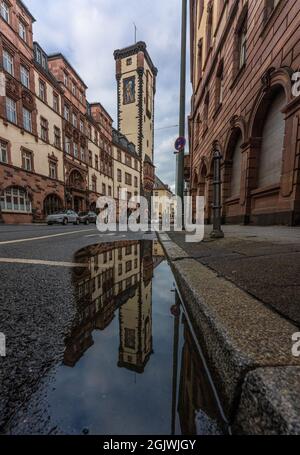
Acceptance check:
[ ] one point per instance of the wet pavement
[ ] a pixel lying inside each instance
(122, 360)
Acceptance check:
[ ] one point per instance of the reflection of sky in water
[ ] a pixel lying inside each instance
(98, 395)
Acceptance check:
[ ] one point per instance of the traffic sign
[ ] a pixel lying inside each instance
(180, 143)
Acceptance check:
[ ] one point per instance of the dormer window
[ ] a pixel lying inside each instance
(38, 56)
(5, 11)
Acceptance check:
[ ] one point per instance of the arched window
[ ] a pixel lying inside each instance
(235, 184)
(52, 204)
(16, 200)
(270, 159)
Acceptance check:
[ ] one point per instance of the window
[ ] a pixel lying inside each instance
(220, 85)
(119, 156)
(243, 44)
(27, 160)
(57, 137)
(94, 185)
(42, 90)
(109, 191)
(128, 160)
(129, 61)
(205, 113)
(53, 170)
(67, 145)
(3, 152)
(38, 56)
(24, 76)
(136, 164)
(8, 62)
(103, 189)
(90, 132)
(5, 11)
(80, 97)
(74, 120)
(11, 110)
(209, 27)
(22, 31)
(44, 129)
(90, 159)
(67, 112)
(96, 162)
(15, 199)
(81, 127)
(136, 182)
(128, 179)
(200, 59)
(27, 123)
(119, 175)
(65, 79)
(128, 266)
(74, 89)
(270, 6)
(75, 151)
(120, 269)
(56, 103)
(200, 10)
(130, 338)
(82, 154)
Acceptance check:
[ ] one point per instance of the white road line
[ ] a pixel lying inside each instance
(40, 262)
(31, 239)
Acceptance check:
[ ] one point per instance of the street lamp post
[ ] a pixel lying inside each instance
(180, 155)
(217, 232)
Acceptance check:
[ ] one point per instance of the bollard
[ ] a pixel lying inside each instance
(217, 232)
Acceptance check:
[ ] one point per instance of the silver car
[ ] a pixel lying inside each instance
(64, 217)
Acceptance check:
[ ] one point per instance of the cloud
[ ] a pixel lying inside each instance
(88, 31)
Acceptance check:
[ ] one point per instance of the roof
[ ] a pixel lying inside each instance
(159, 185)
(61, 56)
(140, 46)
(22, 4)
(121, 141)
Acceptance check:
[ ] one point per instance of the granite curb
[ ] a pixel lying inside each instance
(239, 335)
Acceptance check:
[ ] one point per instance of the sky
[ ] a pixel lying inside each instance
(88, 31)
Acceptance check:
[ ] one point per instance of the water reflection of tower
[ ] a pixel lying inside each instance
(136, 317)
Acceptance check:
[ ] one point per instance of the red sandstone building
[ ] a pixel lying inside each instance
(243, 57)
(56, 149)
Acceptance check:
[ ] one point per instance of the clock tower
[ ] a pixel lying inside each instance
(136, 85)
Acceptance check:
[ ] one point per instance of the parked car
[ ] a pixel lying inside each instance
(63, 217)
(87, 217)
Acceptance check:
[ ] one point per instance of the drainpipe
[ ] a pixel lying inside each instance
(217, 232)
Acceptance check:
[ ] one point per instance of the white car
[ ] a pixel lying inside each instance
(63, 217)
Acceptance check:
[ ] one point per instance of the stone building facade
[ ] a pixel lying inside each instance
(56, 149)
(244, 56)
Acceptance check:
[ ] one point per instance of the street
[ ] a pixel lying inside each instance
(37, 301)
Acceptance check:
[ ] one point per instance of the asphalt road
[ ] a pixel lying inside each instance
(37, 302)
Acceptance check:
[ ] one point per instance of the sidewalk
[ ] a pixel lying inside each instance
(263, 261)
(243, 297)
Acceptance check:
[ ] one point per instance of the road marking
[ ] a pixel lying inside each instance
(40, 262)
(31, 239)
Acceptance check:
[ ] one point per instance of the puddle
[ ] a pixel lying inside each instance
(130, 365)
